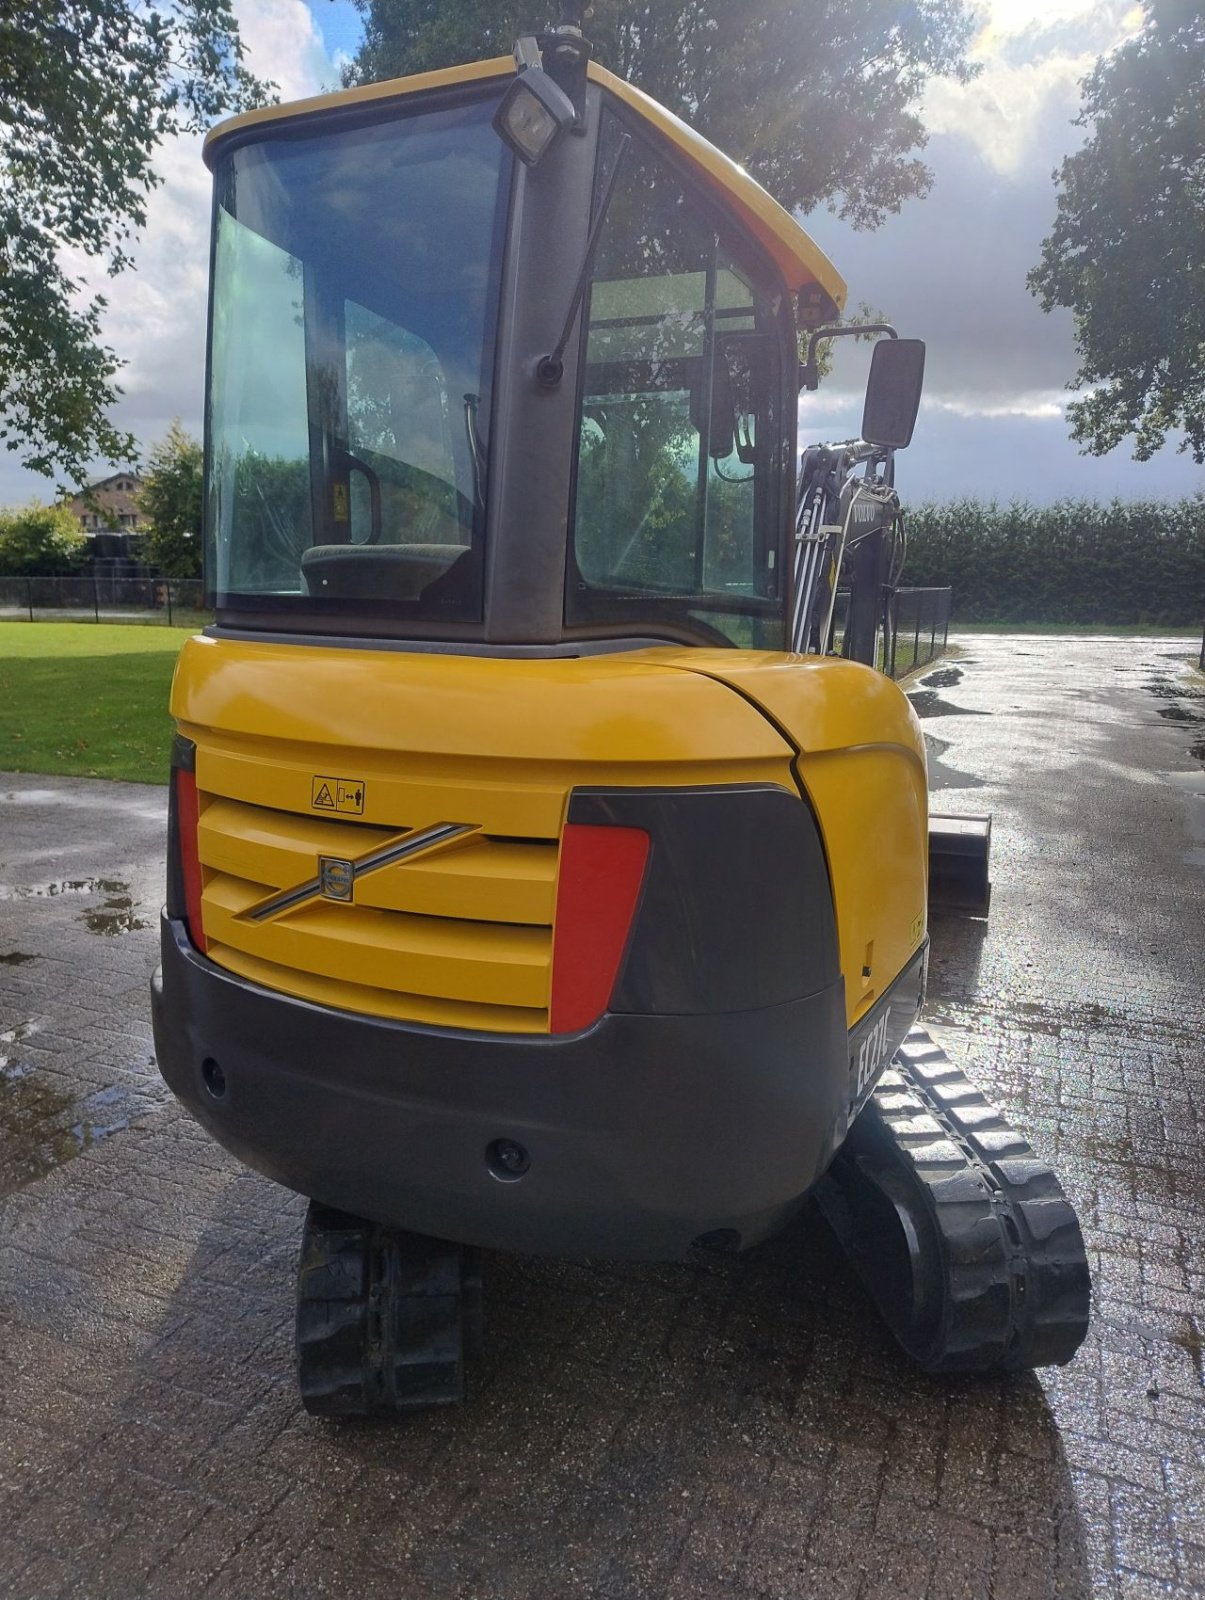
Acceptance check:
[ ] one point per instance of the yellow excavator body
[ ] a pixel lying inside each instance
(547, 861)
(302, 753)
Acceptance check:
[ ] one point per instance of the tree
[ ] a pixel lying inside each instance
(817, 98)
(38, 541)
(170, 498)
(1127, 251)
(88, 90)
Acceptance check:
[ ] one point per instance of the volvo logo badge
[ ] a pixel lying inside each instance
(335, 877)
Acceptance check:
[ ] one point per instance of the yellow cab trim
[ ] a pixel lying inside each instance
(366, 95)
(797, 257)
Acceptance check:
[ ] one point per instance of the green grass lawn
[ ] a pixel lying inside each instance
(88, 699)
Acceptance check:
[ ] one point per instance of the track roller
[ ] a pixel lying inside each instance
(385, 1318)
(964, 1240)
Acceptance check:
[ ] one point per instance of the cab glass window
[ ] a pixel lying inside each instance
(353, 324)
(681, 446)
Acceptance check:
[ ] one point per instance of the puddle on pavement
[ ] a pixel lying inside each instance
(35, 1135)
(62, 886)
(117, 915)
(1189, 1338)
(944, 678)
(15, 958)
(43, 1126)
(1192, 786)
(1164, 687)
(1054, 1018)
(1145, 1161)
(1180, 714)
(1175, 691)
(942, 776)
(928, 703)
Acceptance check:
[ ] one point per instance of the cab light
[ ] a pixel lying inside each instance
(533, 114)
(188, 816)
(601, 873)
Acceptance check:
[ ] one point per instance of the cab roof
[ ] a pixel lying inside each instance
(802, 263)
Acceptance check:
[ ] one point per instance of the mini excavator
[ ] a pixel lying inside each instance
(548, 860)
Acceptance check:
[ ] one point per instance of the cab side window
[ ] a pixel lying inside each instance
(677, 502)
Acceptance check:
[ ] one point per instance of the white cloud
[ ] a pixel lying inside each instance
(1035, 407)
(284, 44)
(1032, 58)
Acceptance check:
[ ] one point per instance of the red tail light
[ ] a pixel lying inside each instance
(188, 815)
(597, 890)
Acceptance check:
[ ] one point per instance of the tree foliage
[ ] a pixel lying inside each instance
(1127, 251)
(817, 98)
(88, 90)
(170, 499)
(39, 541)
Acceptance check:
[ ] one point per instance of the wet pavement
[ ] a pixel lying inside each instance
(742, 1427)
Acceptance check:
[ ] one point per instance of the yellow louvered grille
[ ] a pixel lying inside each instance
(459, 936)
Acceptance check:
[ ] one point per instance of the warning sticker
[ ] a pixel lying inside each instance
(339, 498)
(344, 795)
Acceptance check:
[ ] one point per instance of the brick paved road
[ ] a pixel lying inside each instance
(742, 1428)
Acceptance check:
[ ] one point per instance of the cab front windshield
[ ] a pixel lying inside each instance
(354, 309)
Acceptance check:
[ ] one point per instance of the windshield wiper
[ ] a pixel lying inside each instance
(551, 368)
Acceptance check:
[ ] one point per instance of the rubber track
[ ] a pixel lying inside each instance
(381, 1317)
(960, 1234)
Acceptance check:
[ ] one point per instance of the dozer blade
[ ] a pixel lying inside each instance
(964, 1240)
(959, 862)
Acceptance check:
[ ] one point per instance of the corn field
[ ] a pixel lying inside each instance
(1075, 561)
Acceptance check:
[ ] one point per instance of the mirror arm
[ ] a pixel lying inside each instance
(809, 373)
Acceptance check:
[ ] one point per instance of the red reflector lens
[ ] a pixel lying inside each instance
(188, 816)
(597, 890)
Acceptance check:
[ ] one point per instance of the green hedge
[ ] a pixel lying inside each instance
(1076, 561)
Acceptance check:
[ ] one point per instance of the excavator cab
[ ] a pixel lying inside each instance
(540, 876)
(456, 396)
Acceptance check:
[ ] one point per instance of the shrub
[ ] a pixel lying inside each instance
(40, 541)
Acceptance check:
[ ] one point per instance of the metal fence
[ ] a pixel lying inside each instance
(918, 629)
(917, 632)
(170, 601)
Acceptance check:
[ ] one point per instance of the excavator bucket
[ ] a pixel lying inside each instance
(959, 863)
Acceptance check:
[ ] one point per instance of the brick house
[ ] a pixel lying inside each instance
(110, 506)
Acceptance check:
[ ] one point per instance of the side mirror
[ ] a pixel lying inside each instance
(897, 371)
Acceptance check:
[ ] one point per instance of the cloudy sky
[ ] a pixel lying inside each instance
(949, 269)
